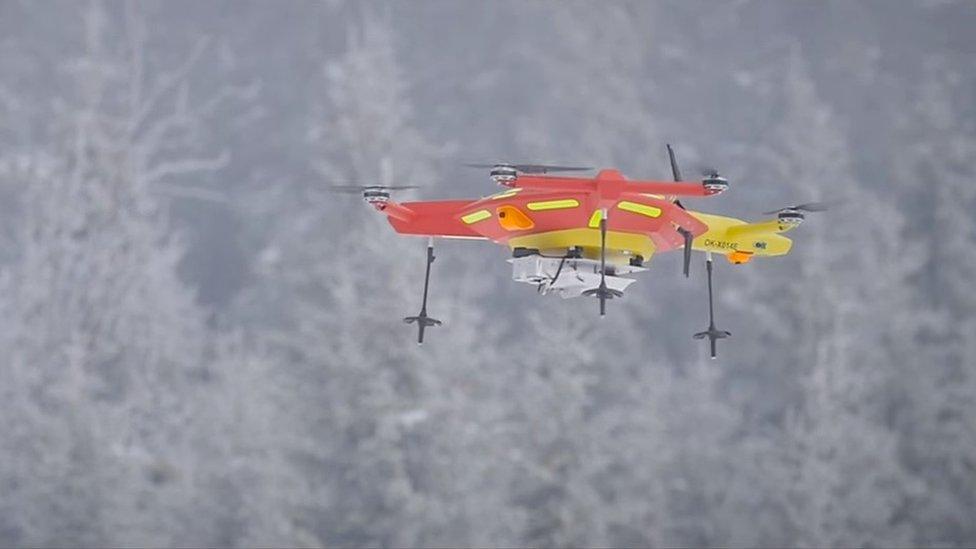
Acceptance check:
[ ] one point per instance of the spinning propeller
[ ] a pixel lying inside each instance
(356, 189)
(793, 215)
(808, 207)
(505, 174)
(674, 164)
(531, 168)
(371, 193)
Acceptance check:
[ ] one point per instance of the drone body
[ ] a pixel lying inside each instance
(578, 236)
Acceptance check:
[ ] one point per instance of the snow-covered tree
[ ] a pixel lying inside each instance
(303, 414)
(817, 320)
(590, 87)
(105, 346)
(341, 280)
(936, 376)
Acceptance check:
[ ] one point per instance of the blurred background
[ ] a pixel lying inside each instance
(202, 347)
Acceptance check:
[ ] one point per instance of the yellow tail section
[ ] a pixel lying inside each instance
(736, 239)
(739, 240)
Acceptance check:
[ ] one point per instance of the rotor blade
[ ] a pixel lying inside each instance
(354, 189)
(532, 168)
(545, 168)
(674, 165)
(808, 207)
(814, 206)
(688, 236)
(345, 189)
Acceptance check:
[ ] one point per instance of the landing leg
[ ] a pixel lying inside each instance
(423, 321)
(603, 292)
(712, 333)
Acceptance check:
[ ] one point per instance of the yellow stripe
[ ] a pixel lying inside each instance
(595, 219)
(476, 216)
(552, 205)
(589, 239)
(642, 209)
(506, 194)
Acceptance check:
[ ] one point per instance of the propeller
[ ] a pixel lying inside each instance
(532, 168)
(373, 194)
(808, 207)
(358, 189)
(685, 233)
(689, 237)
(713, 181)
(708, 171)
(674, 165)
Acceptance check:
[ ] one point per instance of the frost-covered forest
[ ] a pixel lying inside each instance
(202, 347)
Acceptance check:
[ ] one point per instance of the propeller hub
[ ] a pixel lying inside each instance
(376, 195)
(790, 217)
(715, 183)
(503, 175)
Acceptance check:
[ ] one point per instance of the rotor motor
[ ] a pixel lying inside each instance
(376, 196)
(793, 215)
(503, 175)
(715, 183)
(790, 217)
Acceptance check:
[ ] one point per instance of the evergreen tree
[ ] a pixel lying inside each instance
(933, 393)
(818, 324)
(338, 280)
(106, 346)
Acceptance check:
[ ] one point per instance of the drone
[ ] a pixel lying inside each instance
(583, 236)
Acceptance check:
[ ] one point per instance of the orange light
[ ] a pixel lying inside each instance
(738, 258)
(512, 219)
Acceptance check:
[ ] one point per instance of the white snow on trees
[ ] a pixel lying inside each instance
(137, 174)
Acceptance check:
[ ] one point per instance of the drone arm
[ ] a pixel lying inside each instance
(681, 188)
(573, 184)
(682, 218)
(430, 218)
(759, 228)
(395, 210)
(558, 184)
